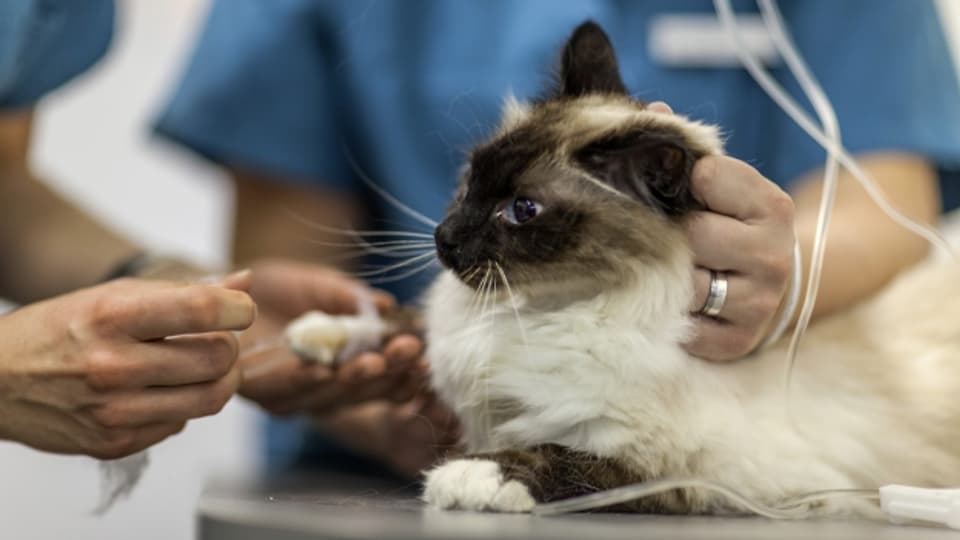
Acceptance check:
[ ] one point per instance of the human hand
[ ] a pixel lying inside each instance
(283, 383)
(407, 437)
(747, 233)
(110, 370)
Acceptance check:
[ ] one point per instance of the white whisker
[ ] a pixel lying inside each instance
(356, 232)
(488, 420)
(513, 303)
(380, 245)
(395, 266)
(405, 275)
(405, 254)
(385, 194)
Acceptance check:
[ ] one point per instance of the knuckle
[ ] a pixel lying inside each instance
(109, 416)
(115, 444)
(104, 370)
(705, 172)
(781, 205)
(105, 312)
(204, 308)
(765, 305)
(223, 353)
(777, 266)
(738, 343)
(214, 401)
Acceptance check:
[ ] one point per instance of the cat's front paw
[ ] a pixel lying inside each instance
(475, 484)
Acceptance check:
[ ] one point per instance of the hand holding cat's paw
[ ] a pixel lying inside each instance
(475, 484)
(322, 338)
(282, 383)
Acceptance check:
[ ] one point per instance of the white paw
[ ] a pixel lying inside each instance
(321, 338)
(475, 484)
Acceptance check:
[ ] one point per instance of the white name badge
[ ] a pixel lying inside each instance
(699, 40)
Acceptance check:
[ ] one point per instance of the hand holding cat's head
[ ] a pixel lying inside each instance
(584, 185)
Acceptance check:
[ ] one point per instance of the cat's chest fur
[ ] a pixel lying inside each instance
(603, 374)
(607, 376)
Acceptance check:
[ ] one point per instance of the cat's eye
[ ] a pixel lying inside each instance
(520, 210)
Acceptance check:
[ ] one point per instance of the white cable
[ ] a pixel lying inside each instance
(789, 106)
(793, 299)
(828, 118)
(790, 508)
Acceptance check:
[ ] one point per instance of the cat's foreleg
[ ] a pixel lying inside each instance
(515, 480)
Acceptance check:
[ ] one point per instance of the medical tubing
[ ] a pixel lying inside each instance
(790, 508)
(793, 298)
(800, 117)
(828, 118)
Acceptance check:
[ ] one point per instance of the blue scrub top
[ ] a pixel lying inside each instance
(45, 43)
(296, 87)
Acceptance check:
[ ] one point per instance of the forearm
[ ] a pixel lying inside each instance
(865, 248)
(48, 246)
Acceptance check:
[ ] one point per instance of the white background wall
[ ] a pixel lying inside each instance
(93, 144)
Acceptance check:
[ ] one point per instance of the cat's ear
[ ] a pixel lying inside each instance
(653, 167)
(589, 64)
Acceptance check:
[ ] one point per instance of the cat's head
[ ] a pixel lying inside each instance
(583, 186)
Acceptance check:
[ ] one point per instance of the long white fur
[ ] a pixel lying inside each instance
(874, 399)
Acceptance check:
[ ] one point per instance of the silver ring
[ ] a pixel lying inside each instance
(717, 295)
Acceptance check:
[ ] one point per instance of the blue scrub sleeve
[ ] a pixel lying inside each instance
(888, 70)
(45, 43)
(258, 92)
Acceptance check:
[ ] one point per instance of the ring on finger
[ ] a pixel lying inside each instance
(717, 294)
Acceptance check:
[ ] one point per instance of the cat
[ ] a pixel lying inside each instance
(555, 331)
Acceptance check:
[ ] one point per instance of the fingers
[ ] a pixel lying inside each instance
(241, 280)
(721, 341)
(659, 107)
(403, 352)
(289, 385)
(733, 188)
(271, 379)
(153, 313)
(747, 233)
(148, 436)
(745, 304)
(721, 242)
(118, 443)
(166, 405)
(173, 361)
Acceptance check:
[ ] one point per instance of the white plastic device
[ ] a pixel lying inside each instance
(904, 504)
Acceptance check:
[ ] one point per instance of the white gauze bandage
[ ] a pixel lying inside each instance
(326, 339)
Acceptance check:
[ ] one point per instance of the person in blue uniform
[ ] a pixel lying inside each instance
(118, 365)
(299, 99)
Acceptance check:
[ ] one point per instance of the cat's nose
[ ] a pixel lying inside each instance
(443, 236)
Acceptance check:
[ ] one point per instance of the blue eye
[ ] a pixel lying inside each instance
(520, 210)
